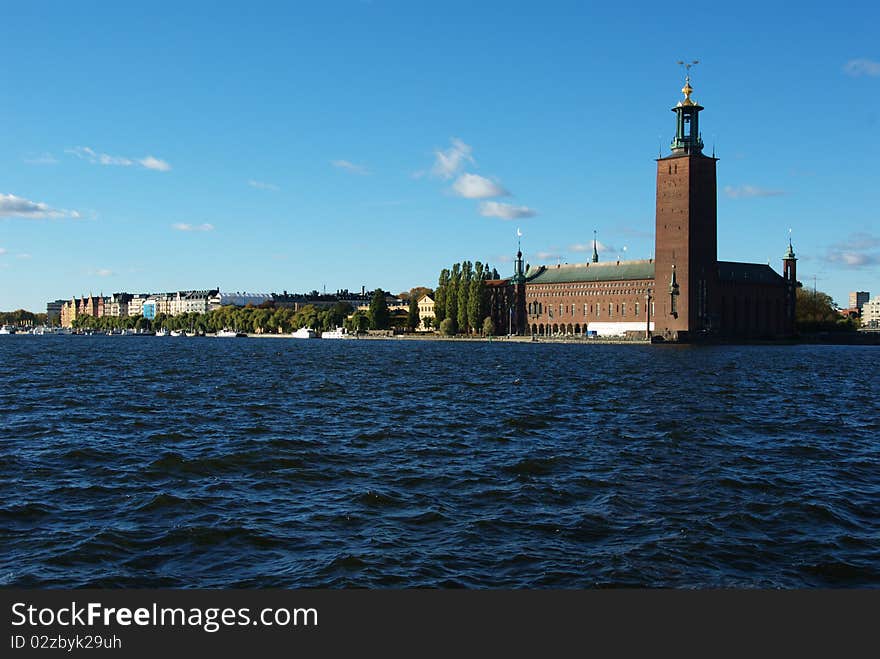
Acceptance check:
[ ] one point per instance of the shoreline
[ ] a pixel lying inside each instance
(859, 339)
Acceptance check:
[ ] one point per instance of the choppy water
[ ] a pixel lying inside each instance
(249, 463)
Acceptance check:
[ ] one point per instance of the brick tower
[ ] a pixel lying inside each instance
(686, 248)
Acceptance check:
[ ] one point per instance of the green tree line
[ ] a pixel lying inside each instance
(22, 317)
(461, 301)
(262, 319)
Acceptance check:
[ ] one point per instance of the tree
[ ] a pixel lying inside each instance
(412, 318)
(379, 314)
(359, 322)
(440, 296)
(452, 294)
(467, 276)
(476, 297)
(447, 327)
(815, 311)
(488, 326)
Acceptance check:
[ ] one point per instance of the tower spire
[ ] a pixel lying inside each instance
(595, 249)
(687, 131)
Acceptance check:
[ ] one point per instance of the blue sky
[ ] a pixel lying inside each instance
(266, 146)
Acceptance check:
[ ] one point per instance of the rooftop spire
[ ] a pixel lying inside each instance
(789, 255)
(595, 249)
(687, 133)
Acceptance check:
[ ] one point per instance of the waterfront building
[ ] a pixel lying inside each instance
(683, 293)
(426, 310)
(136, 304)
(117, 304)
(871, 313)
(84, 306)
(149, 308)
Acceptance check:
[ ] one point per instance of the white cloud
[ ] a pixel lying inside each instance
(588, 247)
(474, 186)
(181, 226)
(854, 259)
(23, 256)
(260, 185)
(505, 211)
(350, 167)
(42, 159)
(745, 191)
(104, 272)
(3, 251)
(859, 250)
(448, 163)
(155, 163)
(545, 256)
(92, 156)
(861, 67)
(12, 206)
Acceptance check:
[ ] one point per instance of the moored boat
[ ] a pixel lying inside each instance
(338, 333)
(305, 333)
(228, 333)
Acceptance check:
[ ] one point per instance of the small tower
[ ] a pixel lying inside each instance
(517, 302)
(595, 249)
(789, 264)
(687, 138)
(789, 273)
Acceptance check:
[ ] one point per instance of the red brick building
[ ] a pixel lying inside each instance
(684, 293)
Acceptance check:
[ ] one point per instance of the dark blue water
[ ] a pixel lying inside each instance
(251, 463)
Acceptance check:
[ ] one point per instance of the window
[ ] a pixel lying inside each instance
(623, 310)
(637, 309)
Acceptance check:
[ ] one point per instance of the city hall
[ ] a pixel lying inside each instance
(683, 294)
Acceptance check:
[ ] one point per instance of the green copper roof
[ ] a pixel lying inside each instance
(611, 271)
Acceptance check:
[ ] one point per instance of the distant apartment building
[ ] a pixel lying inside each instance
(53, 311)
(858, 298)
(220, 299)
(117, 305)
(85, 306)
(149, 308)
(136, 304)
(871, 313)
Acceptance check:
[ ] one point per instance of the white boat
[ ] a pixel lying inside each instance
(228, 333)
(178, 333)
(305, 333)
(7, 329)
(162, 332)
(338, 333)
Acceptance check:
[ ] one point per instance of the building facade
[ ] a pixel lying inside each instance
(684, 293)
(871, 313)
(426, 310)
(857, 299)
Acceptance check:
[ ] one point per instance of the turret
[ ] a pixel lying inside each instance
(687, 123)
